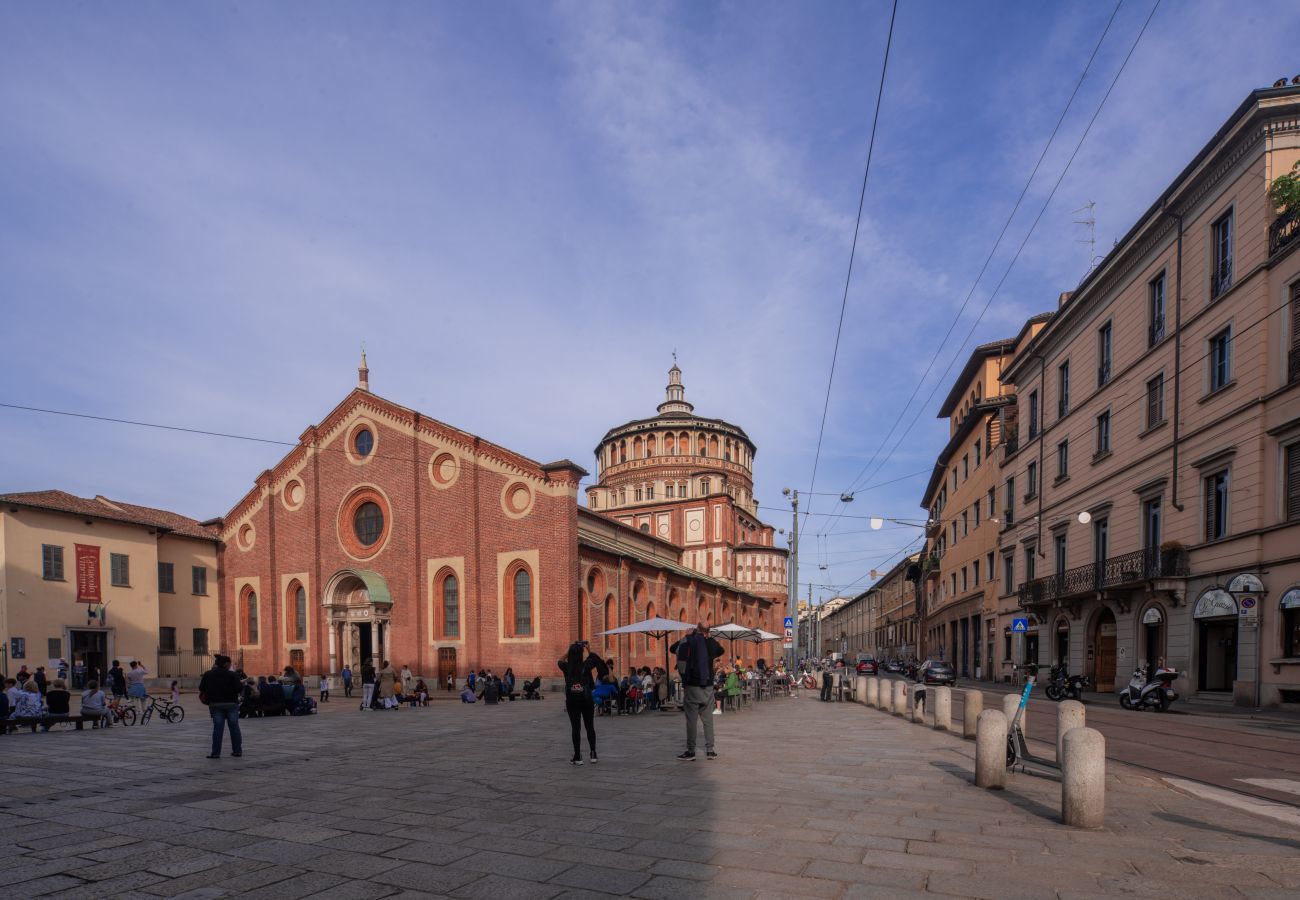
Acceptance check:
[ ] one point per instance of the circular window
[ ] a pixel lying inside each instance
(293, 493)
(443, 470)
(363, 442)
(368, 523)
(246, 537)
(516, 500)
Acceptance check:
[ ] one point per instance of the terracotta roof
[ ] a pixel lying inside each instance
(115, 510)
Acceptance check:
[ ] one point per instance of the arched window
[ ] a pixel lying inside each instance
(450, 607)
(670, 445)
(636, 448)
(300, 614)
(523, 603)
(650, 446)
(250, 618)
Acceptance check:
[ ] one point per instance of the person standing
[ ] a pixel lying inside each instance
(219, 689)
(41, 684)
(117, 680)
(135, 688)
(346, 675)
(408, 681)
(386, 684)
(695, 655)
(367, 683)
(324, 688)
(451, 681)
(828, 684)
(577, 667)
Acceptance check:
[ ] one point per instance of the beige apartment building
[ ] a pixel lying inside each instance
(962, 615)
(91, 580)
(1152, 500)
(881, 620)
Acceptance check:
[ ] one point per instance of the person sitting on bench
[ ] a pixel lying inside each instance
(93, 704)
(57, 700)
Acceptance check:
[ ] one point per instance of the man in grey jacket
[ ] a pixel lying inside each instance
(695, 655)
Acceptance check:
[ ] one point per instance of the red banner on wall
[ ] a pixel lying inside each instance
(88, 574)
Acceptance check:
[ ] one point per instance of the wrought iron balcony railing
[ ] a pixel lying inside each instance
(1284, 230)
(1116, 572)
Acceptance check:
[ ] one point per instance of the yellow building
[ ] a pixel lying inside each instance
(92, 580)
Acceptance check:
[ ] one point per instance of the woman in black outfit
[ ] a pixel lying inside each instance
(577, 667)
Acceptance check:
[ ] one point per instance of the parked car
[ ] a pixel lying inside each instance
(934, 671)
(867, 664)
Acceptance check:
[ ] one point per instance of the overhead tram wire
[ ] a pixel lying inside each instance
(989, 259)
(853, 249)
(1028, 234)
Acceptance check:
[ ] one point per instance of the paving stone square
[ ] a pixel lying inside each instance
(807, 799)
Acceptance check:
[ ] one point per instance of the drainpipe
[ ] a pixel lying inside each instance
(1178, 358)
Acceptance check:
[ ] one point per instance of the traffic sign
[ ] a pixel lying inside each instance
(1019, 626)
(789, 621)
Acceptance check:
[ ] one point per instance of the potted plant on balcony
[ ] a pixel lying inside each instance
(1284, 191)
(1173, 558)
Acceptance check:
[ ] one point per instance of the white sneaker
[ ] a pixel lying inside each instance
(717, 712)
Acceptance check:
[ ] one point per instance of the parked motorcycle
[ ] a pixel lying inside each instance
(1155, 693)
(1063, 686)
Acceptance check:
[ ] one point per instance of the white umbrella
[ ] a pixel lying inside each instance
(732, 632)
(658, 627)
(762, 635)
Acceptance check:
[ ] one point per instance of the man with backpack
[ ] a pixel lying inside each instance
(695, 655)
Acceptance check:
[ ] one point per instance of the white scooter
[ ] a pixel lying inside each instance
(1156, 693)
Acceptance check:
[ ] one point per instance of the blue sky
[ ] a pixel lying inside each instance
(523, 209)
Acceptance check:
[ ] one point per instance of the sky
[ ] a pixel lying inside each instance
(524, 209)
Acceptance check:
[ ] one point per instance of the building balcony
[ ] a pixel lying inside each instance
(1284, 231)
(930, 566)
(1126, 572)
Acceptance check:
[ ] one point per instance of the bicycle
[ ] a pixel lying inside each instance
(120, 711)
(170, 712)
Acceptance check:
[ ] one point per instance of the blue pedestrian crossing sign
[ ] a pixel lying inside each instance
(789, 622)
(1019, 626)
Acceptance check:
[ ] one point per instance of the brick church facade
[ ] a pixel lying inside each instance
(388, 534)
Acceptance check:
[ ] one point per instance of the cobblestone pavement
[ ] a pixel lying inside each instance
(807, 800)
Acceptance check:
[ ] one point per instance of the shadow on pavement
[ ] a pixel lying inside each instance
(1219, 829)
(1028, 804)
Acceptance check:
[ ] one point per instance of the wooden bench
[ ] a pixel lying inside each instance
(9, 725)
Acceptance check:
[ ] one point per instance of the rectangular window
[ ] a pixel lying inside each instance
(1030, 563)
(52, 562)
(975, 572)
(1063, 459)
(55, 648)
(166, 578)
(120, 569)
(1151, 524)
(993, 502)
(965, 523)
(1103, 354)
(1060, 555)
(1010, 505)
(1103, 433)
(1293, 483)
(201, 641)
(1008, 573)
(650, 492)
(668, 490)
(977, 454)
(1220, 359)
(1031, 480)
(1033, 414)
(988, 564)
(954, 532)
(1221, 277)
(965, 467)
(954, 478)
(166, 639)
(965, 584)
(1063, 389)
(636, 494)
(1100, 540)
(954, 584)
(1156, 310)
(199, 580)
(1216, 506)
(977, 514)
(1156, 400)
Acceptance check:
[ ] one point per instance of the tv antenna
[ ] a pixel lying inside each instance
(1089, 221)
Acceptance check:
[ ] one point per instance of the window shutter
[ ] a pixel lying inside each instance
(1293, 483)
(1210, 525)
(1295, 315)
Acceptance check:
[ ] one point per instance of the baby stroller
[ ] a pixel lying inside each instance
(532, 689)
(299, 703)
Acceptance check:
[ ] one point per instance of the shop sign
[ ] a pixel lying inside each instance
(1246, 583)
(1215, 602)
(88, 574)
(1291, 599)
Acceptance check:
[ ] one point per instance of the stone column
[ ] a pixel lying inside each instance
(991, 750)
(1069, 715)
(334, 653)
(972, 706)
(1083, 778)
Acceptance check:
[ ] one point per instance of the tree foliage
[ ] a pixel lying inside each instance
(1285, 189)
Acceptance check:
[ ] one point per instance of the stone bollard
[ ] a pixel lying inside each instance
(887, 697)
(942, 708)
(900, 697)
(991, 750)
(972, 706)
(1069, 715)
(860, 689)
(1010, 703)
(873, 692)
(1083, 778)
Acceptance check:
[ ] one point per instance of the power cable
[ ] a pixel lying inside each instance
(853, 250)
(989, 259)
(1038, 218)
